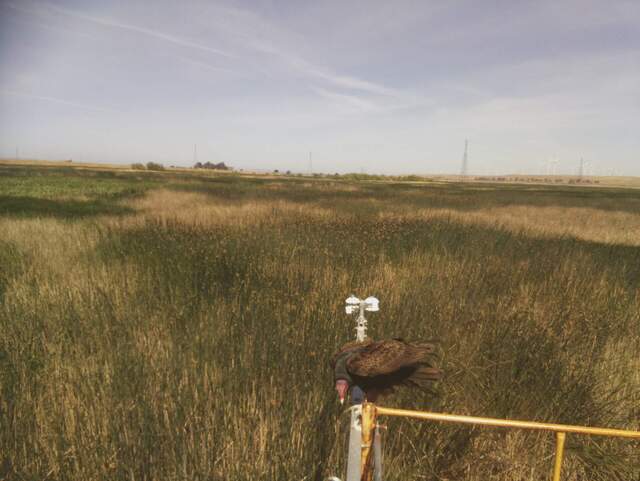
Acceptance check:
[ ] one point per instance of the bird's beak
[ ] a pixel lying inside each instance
(342, 387)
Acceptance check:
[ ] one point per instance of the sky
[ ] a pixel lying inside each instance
(376, 86)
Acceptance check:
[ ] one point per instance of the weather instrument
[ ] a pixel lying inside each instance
(354, 305)
(360, 306)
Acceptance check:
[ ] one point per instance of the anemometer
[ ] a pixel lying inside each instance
(354, 304)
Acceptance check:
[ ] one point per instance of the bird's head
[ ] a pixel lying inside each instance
(342, 386)
(341, 375)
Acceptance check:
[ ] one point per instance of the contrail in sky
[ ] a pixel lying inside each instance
(126, 26)
(59, 101)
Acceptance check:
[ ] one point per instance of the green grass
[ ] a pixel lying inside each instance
(66, 192)
(56, 182)
(157, 345)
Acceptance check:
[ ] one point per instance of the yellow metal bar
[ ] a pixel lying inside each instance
(560, 437)
(368, 428)
(457, 418)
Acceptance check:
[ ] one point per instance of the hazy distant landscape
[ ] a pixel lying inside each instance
(178, 324)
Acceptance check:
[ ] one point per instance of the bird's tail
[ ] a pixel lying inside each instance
(423, 378)
(426, 373)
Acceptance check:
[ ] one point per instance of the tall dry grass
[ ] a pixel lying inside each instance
(189, 339)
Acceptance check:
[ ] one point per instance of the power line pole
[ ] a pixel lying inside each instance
(581, 171)
(310, 163)
(463, 170)
(195, 154)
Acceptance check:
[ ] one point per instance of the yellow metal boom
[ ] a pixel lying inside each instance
(457, 418)
(370, 412)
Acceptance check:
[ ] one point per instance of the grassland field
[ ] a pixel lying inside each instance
(178, 325)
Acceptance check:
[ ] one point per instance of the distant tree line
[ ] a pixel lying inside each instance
(211, 165)
(148, 166)
(198, 165)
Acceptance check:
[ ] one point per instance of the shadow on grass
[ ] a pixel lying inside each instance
(461, 197)
(336, 193)
(30, 207)
(177, 244)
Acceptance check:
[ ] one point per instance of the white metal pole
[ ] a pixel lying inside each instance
(355, 444)
(357, 397)
(361, 324)
(377, 455)
(355, 432)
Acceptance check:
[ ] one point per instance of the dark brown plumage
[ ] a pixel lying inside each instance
(381, 366)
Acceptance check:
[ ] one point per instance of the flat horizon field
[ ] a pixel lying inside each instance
(178, 325)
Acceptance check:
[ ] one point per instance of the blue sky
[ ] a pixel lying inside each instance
(375, 86)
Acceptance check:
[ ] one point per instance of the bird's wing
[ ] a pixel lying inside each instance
(385, 357)
(349, 346)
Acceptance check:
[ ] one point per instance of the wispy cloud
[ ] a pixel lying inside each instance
(256, 33)
(309, 69)
(13, 93)
(210, 67)
(353, 93)
(243, 28)
(43, 24)
(358, 103)
(353, 83)
(106, 22)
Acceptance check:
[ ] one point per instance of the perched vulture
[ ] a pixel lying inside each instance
(381, 366)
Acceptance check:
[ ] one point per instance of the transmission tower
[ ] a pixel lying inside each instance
(463, 170)
(581, 171)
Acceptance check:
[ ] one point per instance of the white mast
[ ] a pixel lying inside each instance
(354, 305)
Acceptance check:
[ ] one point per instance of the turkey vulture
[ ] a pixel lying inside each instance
(381, 366)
